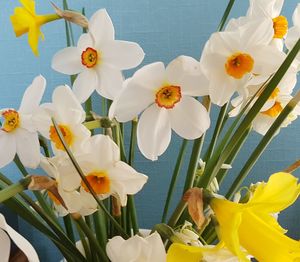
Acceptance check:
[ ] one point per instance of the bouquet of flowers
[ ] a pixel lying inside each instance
(84, 201)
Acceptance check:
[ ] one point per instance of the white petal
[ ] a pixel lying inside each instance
(28, 148)
(132, 100)
(33, 95)
(20, 241)
(151, 76)
(110, 81)
(267, 59)
(89, 204)
(154, 132)
(8, 142)
(262, 123)
(189, 118)
(4, 246)
(296, 15)
(69, 179)
(67, 105)
(158, 252)
(113, 248)
(122, 54)
(84, 85)
(101, 27)
(292, 37)
(68, 61)
(85, 41)
(103, 152)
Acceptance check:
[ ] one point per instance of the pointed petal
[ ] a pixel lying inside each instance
(28, 148)
(85, 41)
(68, 61)
(154, 132)
(33, 95)
(110, 82)
(101, 27)
(189, 118)
(33, 38)
(85, 84)
(132, 100)
(8, 142)
(122, 54)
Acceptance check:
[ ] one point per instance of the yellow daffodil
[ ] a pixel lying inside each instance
(252, 225)
(25, 20)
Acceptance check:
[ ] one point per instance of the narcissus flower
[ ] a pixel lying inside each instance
(253, 226)
(166, 97)
(25, 20)
(98, 59)
(230, 59)
(179, 252)
(18, 134)
(136, 249)
(69, 115)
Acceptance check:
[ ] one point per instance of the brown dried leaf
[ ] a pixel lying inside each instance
(71, 16)
(116, 207)
(194, 199)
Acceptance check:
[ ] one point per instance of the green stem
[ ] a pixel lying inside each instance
(80, 172)
(132, 142)
(266, 139)
(84, 243)
(14, 189)
(225, 15)
(174, 179)
(177, 213)
(93, 241)
(133, 214)
(69, 228)
(100, 227)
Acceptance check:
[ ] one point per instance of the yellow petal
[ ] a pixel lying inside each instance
(277, 194)
(33, 39)
(179, 253)
(29, 5)
(265, 242)
(21, 21)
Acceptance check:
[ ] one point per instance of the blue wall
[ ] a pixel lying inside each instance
(165, 29)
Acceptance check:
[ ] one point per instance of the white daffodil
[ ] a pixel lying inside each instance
(98, 59)
(104, 171)
(294, 32)
(136, 249)
(270, 9)
(18, 134)
(67, 187)
(274, 105)
(7, 233)
(166, 97)
(69, 115)
(230, 59)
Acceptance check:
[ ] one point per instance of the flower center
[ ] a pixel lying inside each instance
(99, 181)
(67, 134)
(168, 96)
(11, 120)
(53, 198)
(280, 25)
(89, 57)
(239, 64)
(274, 111)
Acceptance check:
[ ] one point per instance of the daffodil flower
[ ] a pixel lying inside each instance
(179, 252)
(7, 233)
(294, 32)
(136, 249)
(25, 20)
(98, 59)
(18, 134)
(69, 115)
(67, 187)
(166, 97)
(230, 59)
(253, 226)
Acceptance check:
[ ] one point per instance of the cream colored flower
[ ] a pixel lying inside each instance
(18, 134)
(136, 249)
(164, 96)
(98, 59)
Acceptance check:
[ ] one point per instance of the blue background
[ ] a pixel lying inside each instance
(165, 29)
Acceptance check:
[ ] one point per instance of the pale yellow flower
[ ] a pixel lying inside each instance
(252, 226)
(25, 20)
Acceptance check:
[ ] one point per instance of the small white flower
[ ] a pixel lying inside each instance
(69, 115)
(18, 134)
(98, 59)
(136, 249)
(166, 97)
(230, 59)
